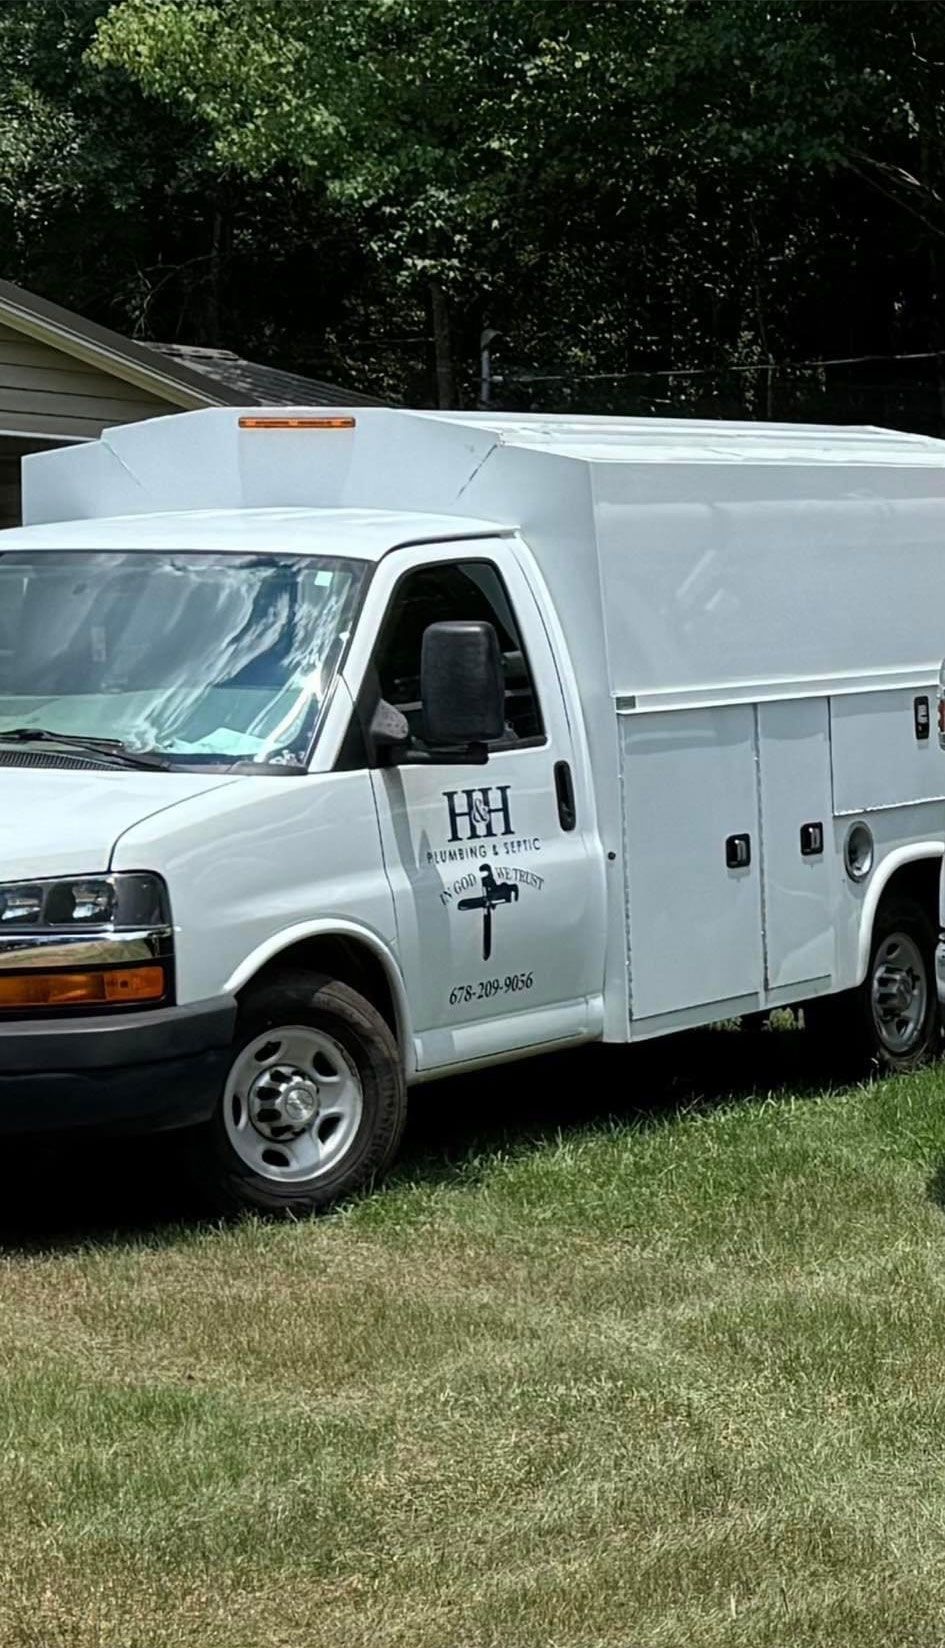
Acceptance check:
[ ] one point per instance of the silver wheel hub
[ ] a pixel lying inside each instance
(293, 1104)
(282, 1103)
(899, 992)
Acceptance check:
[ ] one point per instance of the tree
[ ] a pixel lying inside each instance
(702, 188)
(636, 162)
(113, 203)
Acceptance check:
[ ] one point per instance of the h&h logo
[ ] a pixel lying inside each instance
(477, 816)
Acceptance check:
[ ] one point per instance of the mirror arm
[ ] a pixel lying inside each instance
(471, 755)
(393, 744)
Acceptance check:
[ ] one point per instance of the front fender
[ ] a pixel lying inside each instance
(281, 943)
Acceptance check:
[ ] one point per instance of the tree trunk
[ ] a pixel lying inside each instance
(445, 390)
(217, 249)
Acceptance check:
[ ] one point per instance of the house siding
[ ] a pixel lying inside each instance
(45, 392)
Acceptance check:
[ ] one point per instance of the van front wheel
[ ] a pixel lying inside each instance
(314, 1103)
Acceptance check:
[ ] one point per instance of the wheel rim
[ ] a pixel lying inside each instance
(293, 1104)
(899, 993)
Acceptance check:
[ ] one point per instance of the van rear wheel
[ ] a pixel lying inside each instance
(314, 1103)
(892, 1020)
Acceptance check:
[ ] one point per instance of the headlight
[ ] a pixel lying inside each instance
(119, 902)
(85, 943)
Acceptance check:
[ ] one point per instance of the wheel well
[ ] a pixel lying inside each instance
(339, 958)
(918, 881)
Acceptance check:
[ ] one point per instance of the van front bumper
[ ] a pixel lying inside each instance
(137, 1071)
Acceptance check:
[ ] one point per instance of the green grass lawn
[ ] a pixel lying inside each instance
(613, 1361)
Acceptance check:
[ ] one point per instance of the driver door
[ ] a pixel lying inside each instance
(489, 866)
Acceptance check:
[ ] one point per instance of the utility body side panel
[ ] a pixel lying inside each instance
(720, 580)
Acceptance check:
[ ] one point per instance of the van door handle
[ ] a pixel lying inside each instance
(564, 793)
(738, 852)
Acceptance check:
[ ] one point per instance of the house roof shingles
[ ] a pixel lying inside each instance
(183, 375)
(261, 385)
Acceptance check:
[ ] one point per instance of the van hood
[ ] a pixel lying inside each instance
(62, 823)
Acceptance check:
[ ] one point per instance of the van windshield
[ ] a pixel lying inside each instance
(209, 659)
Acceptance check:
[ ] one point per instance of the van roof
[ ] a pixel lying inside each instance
(358, 534)
(696, 440)
(382, 465)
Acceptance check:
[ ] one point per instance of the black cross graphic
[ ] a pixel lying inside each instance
(493, 893)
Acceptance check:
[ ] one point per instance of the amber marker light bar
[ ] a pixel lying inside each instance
(297, 423)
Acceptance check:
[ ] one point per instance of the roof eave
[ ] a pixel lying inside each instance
(95, 345)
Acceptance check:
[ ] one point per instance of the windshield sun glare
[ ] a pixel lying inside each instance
(206, 659)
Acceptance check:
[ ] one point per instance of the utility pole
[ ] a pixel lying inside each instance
(485, 364)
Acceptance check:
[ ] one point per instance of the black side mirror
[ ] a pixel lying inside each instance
(462, 686)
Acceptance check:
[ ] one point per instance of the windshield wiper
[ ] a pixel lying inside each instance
(111, 748)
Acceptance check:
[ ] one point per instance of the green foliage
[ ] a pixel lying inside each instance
(615, 185)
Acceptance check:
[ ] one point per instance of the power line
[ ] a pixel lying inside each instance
(714, 371)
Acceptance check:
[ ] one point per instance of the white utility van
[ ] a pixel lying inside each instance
(339, 753)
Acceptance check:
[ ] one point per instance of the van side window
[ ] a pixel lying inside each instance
(455, 590)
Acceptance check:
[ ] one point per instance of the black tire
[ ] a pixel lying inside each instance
(356, 1027)
(862, 1025)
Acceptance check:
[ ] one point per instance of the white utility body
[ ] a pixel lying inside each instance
(711, 789)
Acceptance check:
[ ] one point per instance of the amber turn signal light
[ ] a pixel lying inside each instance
(110, 988)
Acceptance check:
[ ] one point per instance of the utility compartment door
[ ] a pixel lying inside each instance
(879, 758)
(799, 859)
(690, 787)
